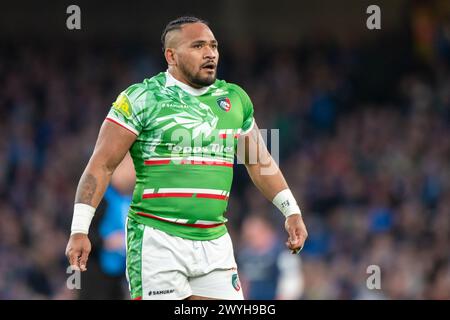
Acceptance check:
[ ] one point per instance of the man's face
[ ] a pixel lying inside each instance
(196, 54)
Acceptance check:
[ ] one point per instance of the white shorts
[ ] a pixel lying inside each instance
(162, 266)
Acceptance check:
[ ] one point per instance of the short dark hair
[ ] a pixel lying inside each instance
(176, 25)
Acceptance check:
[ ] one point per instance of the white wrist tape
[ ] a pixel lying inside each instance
(285, 202)
(82, 217)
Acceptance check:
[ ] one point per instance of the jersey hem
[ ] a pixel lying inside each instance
(185, 232)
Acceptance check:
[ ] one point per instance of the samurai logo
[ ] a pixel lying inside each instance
(224, 104)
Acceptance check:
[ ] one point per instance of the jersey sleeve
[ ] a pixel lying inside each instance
(247, 105)
(130, 109)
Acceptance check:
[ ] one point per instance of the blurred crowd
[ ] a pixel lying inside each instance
(366, 151)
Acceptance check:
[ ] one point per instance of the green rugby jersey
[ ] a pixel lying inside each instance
(184, 152)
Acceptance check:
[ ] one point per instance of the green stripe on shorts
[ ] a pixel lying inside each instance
(135, 233)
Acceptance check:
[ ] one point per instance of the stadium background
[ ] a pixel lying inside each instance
(364, 119)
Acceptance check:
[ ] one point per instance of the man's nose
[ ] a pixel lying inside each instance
(209, 53)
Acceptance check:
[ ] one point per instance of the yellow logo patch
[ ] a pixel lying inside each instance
(122, 104)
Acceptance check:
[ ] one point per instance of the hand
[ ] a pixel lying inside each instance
(297, 233)
(77, 251)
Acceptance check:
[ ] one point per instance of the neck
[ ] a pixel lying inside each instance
(186, 86)
(179, 76)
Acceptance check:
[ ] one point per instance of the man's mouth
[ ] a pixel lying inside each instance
(209, 66)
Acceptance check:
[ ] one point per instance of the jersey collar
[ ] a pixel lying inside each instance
(171, 81)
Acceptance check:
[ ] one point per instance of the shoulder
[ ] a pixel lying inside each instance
(138, 97)
(224, 85)
(146, 89)
(233, 88)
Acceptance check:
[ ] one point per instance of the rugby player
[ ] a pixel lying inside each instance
(183, 128)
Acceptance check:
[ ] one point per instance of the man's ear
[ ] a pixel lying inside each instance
(169, 54)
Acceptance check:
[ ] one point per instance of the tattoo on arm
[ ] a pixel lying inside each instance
(86, 189)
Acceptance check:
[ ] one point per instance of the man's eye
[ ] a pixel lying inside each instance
(197, 46)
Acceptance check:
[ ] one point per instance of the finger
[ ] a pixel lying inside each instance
(293, 238)
(73, 259)
(296, 246)
(83, 260)
(292, 243)
(302, 239)
(291, 247)
(295, 242)
(297, 251)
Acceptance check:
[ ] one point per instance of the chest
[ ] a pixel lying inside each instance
(194, 117)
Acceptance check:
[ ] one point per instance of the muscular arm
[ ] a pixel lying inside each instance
(268, 178)
(260, 165)
(112, 145)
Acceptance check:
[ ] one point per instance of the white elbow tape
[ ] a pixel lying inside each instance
(286, 203)
(82, 217)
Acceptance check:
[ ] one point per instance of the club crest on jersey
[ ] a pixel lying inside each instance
(224, 103)
(235, 282)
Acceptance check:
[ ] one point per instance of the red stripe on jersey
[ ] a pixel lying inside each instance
(156, 162)
(212, 196)
(168, 195)
(193, 162)
(199, 225)
(207, 163)
(114, 121)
